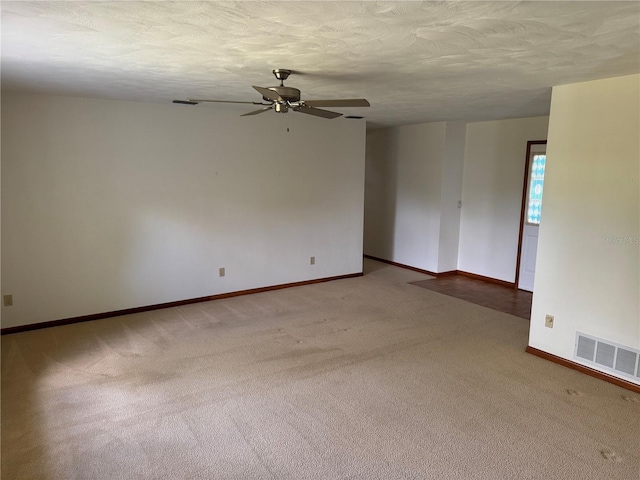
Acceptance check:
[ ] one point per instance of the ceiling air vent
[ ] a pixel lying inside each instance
(610, 357)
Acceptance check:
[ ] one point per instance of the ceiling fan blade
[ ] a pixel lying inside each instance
(270, 94)
(198, 100)
(255, 112)
(347, 102)
(317, 112)
(185, 102)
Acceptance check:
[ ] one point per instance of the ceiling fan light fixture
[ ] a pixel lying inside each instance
(281, 107)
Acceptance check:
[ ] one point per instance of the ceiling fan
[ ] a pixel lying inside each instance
(282, 99)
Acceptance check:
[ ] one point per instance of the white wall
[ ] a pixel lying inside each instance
(495, 154)
(415, 176)
(403, 194)
(451, 195)
(379, 193)
(588, 267)
(110, 205)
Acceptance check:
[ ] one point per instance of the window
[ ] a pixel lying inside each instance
(536, 184)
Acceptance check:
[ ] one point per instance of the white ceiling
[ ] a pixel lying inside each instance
(414, 61)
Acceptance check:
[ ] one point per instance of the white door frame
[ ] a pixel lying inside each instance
(523, 207)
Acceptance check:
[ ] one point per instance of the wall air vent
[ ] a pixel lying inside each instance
(610, 357)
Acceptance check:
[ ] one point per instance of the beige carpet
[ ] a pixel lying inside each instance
(364, 378)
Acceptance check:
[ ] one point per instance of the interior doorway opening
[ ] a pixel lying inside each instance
(530, 214)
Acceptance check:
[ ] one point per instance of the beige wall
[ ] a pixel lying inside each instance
(110, 205)
(588, 267)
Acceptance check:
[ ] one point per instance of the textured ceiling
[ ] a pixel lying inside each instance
(414, 61)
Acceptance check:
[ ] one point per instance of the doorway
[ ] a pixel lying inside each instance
(533, 187)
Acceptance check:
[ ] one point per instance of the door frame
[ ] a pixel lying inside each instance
(525, 186)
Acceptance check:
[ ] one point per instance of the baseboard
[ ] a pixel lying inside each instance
(409, 267)
(445, 274)
(148, 308)
(504, 283)
(582, 369)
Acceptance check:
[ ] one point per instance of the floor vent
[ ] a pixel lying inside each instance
(619, 360)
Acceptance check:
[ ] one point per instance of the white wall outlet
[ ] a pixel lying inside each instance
(312, 261)
(221, 272)
(548, 321)
(7, 300)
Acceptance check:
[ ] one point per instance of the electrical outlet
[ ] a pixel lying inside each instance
(548, 321)
(312, 261)
(221, 272)
(7, 300)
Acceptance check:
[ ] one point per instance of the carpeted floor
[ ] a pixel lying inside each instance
(363, 378)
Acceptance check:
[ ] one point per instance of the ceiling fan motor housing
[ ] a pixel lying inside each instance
(289, 94)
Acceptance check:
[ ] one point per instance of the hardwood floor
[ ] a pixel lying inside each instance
(490, 295)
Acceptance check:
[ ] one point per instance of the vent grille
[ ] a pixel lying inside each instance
(618, 359)
(626, 361)
(605, 354)
(586, 348)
